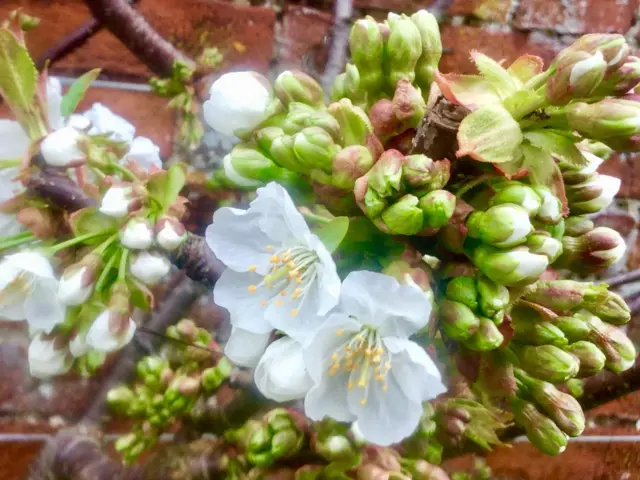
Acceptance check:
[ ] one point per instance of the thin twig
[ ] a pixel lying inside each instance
(623, 278)
(68, 44)
(131, 28)
(338, 44)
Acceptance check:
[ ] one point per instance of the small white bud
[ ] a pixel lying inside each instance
(110, 331)
(45, 359)
(150, 267)
(60, 148)
(119, 202)
(137, 234)
(76, 285)
(170, 233)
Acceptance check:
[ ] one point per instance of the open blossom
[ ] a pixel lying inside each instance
(237, 101)
(105, 122)
(279, 274)
(28, 291)
(363, 365)
(145, 152)
(281, 374)
(46, 359)
(245, 348)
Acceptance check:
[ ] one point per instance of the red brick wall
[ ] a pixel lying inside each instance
(257, 37)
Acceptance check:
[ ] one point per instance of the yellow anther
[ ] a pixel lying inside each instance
(379, 377)
(346, 347)
(350, 385)
(298, 280)
(362, 383)
(252, 288)
(277, 303)
(268, 248)
(363, 401)
(291, 264)
(274, 259)
(283, 293)
(334, 357)
(339, 333)
(368, 352)
(376, 359)
(294, 273)
(264, 303)
(294, 312)
(385, 387)
(376, 370)
(387, 365)
(252, 268)
(379, 351)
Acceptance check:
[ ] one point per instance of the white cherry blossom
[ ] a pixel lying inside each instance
(110, 331)
(46, 359)
(279, 274)
(28, 291)
(245, 348)
(363, 365)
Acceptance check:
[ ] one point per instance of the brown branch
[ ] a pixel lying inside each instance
(623, 278)
(130, 27)
(59, 190)
(338, 44)
(68, 44)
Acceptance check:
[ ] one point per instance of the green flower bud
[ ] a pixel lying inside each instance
(566, 295)
(315, 149)
(367, 47)
(548, 363)
(517, 266)
(530, 332)
(150, 365)
(593, 195)
(574, 327)
(621, 81)
(610, 307)
(578, 225)
(431, 48)
(592, 360)
(463, 290)
(595, 250)
(350, 164)
(438, 207)
(504, 225)
(493, 297)
(423, 174)
(266, 136)
(550, 211)
(283, 154)
(245, 166)
(126, 442)
(386, 175)
(458, 321)
(577, 75)
(383, 119)
(339, 89)
(543, 244)
(404, 217)
(561, 407)
(286, 443)
(403, 50)
(120, 398)
(423, 470)
(488, 337)
(616, 346)
(353, 122)
(408, 105)
(540, 430)
(334, 448)
(296, 86)
(613, 47)
(518, 194)
(614, 121)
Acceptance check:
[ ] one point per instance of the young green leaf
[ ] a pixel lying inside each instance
(525, 67)
(176, 178)
(76, 92)
(495, 74)
(472, 91)
(543, 170)
(333, 233)
(90, 220)
(18, 74)
(559, 144)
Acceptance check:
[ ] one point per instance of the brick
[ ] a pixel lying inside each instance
(244, 34)
(408, 6)
(301, 36)
(576, 17)
(489, 10)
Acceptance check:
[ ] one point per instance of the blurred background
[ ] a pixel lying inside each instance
(270, 37)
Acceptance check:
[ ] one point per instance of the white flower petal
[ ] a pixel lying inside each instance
(281, 374)
(45, 360)
(327, 399)
(380, 301)
(150, 267)
(78, 345)
(145, 152)
(237, 241)
(14, 142)
(72, 289)
(232, 292)
(235, 177)
(31, 262)
(42, 308)
(329, 282)
(100, 336)
(245, 348)
(280, 218)
(60, 148)
(9, 224)
(54, 102)
(104, 121)
(414, 370)
(386, 417)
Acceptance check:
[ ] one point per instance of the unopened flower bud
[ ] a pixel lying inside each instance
(187, 386)
(561, 407)
(550, 211)
(543, 244)
(548, 363)
(518, 194)
(595, 250)
(247, 167)
(137, 234)
(296, 86)
(574, 327)
(578, 74)
(315, 148)
(463, 290)
(613, 47)
(77, 282)
(423, 470)
(517, 266)
(487, 337)
(150, 267)
(437, 207)
(266, 136)
(403, 49)
(423, 174)
(170, 233)
(334, 447)
(592, 360)
(504, 225)
(578, 225)
(119, 201)
(367, 47)
(350, 164)
(382, 181)
(113, 328)
(622, 80)
(352, 120)
(120, 398)
(458, 321)
(431, 47)
(60, 148)
(408, 105)
(404, 217)
(529, 332)
(616, 346)
(493, 297)
(593, 195)
(383, 119)
(541, 430)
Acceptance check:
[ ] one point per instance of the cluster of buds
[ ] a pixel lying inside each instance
(404, 195)
(168, 386)
(512, 242)
(383, 54)
(471, 311)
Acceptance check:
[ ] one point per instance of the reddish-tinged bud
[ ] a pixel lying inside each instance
(408, 105)
(384, 120)
(170, 233)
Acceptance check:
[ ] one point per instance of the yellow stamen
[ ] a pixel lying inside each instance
(274, 259)
(252, 288)
(294, 312)
(385, 387)
(363, 401)
(268, 248)
(277, 303)
(291, 264)
(252, 268)
(350, 385)
(283, 293)
(264, 303)
(339, 333)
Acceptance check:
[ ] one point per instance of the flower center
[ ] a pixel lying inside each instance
(364, 358)
(292, 273)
